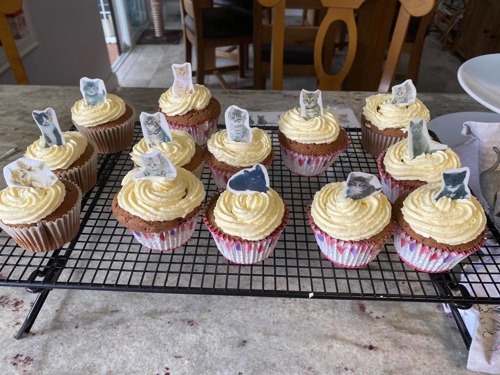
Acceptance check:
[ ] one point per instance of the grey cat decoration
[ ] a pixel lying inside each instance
(489, 180)
(26, 172)
(404, 94)
(238, 124)
(311, 104)
(454, 184)
(155, 128)
(49, 126)
(419, 140)
(360, 185)
(93, 90)
(155, 164)
(183, 80)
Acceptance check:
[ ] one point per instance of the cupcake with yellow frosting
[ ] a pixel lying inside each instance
(247, 219)
(188, 107)
(386, 117)
(351, 220)
(160, 204)
(40, 212)
(402, 171)
(437, 227)
(310, 141)
(237, 147)
(103, 118)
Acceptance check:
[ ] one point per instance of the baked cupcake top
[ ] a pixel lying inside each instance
(180, 150)
(240, 154)
(173, 105)
(158, 198)
(321, 129)
(347, 218)
(447, 221)
(424, 167)
(59, 156)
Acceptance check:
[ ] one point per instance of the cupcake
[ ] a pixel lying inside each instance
(439, 224)
(402, 170)
(386, 117)
(311, 140)
(177, 145)
(247, 219)
(160, 204)
(237, 147)
(68, 154)
(40, 212)
(190, 107)
(351, 220)
(103, 118)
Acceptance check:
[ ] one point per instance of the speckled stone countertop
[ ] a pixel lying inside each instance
(132, 333)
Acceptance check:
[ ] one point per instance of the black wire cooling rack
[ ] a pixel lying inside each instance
(105, 255)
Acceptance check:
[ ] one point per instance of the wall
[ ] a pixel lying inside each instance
(71, 44)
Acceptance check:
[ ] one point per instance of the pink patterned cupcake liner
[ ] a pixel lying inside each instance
(375, 143)
(169, 239)
(240, 251)
(85, 176)
(348, 254)
(310, 165)
(391, 187)
(427, 258)
(200, 132)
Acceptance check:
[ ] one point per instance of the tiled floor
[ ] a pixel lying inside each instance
(149, 65)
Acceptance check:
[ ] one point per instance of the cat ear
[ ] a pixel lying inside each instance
(372, 186)
(448, 182)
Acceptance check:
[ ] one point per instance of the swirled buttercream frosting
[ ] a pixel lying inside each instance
(349, 219)
(27, 205)
(180, 150)
(324, 129)
(384, 115)
(174, 106)
(425, 167)
(240, 154)
(87, 115)
(448, 221)
(59, 157)
(249, 216)
(161, 199)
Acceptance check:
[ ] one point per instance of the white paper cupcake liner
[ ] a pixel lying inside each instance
(85, 176)
(48, 235)
(426, 258)
(375, 143)
(169, 239)
(200, 132)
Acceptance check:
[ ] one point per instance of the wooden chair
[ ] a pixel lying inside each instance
(207, 27)
(8, 43)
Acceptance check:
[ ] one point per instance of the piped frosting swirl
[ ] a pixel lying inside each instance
(175, 106)
(317, 130)
(87, 115)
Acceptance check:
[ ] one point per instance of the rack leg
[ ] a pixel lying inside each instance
(33, 313)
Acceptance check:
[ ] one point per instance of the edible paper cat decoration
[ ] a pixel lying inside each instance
(360, 185)
(454, 184)
(311, 104)
(155, 164)
(93, 90)
(419, 140)
(404, 94)
(155, 128)
(183, 80)
(49, 126)
(249, 180)
(238, 124)
(26, 172)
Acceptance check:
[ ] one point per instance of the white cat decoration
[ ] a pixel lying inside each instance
(311, 104)
(238, 124)
(93, 91)
(404, 94)
(49, 126)
(454, 184)
(155, 128)
(419, 140)
(360, 185)
(183, 80)
(155, 164)
(26, 172)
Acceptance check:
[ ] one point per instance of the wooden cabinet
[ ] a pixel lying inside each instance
(480, 30)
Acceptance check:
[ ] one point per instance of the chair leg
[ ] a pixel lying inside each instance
(200, 65)
(188, 50)
(241, 59)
